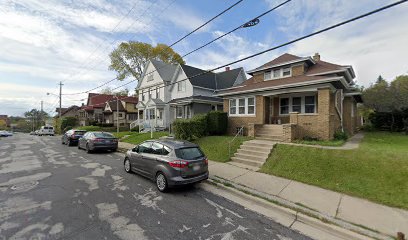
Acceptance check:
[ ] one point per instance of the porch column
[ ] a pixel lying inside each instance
(323, 110)
(155, 116)
(293, 117)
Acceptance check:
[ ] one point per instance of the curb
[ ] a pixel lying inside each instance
(303, 215)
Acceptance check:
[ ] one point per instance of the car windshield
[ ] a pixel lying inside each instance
(189, 153)
(103, 135)
(79, 132)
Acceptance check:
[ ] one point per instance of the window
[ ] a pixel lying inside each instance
(297, 104)
(150, 93)
(120, 115)
(166, 150)
(286, 72)
(160, 114)
(181, 86)
(241, 106)
(284, 106)
(145, 147)
(189, 153)
(188, 112)
(251, 105)
(152, 114)
(233, 104)
(143, 96)
(150, 77)
(267, 75)
(310, 104)
(157, 93)
(179, 112)
(157, 148)
(276, 73)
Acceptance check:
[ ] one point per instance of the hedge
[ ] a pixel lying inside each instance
(217, 122)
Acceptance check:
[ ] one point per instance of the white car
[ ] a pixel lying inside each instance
(46, 130)
(5, 134)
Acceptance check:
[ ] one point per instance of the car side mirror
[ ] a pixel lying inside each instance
(135, 149)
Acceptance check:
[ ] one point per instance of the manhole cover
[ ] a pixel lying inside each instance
(24, 186)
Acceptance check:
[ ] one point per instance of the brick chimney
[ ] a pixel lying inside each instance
(227, 68)
(316, 57)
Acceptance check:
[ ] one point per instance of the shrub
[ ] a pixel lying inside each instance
(308, 138)
(68, 122)
(67, 129)
(90, 128)
(217, 122)
(189, 129)
(135, 129)
(340, 135)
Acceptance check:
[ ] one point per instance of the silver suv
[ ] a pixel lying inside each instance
(168, 162)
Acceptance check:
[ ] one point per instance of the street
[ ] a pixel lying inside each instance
(52, 191)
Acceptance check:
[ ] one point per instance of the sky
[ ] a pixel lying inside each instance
(45, 42)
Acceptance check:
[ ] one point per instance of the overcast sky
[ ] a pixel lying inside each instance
(44, 42)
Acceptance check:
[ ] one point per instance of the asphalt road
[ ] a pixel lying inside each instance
(52, 191)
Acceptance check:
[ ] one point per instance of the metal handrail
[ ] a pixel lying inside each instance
(240, 132)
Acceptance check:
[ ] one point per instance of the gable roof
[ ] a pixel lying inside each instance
(112, 104)
(165, 70)
(227, 79)
(283, 59)
(98, 100)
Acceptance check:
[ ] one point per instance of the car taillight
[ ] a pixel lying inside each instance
(178, 164)
(206, 161)
(115, 140)
(97, 140)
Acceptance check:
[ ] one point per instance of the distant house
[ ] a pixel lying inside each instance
(101, 108)
(72, 111)
(170, 91)
(294, 97)
(5, 120)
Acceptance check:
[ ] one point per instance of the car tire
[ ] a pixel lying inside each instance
(79, 146)
(88, 150)
(127, 166)
(161, 182)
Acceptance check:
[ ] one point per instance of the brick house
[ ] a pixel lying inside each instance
(123, 111)
(292, 98)
(69, 112)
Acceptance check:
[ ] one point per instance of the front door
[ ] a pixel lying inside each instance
(267, 110)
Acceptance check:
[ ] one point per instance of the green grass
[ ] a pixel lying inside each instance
(331, 143)
(377, 170)
(122, 134)
(216, 147)
(137, 138)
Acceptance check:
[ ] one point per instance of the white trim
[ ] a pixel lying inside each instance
(237, 114)
(194, 86)
(306, 83)
(302, 103)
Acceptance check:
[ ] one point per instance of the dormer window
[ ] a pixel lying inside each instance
(278, 73)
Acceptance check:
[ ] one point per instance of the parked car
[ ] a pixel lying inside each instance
(36, 132)
(4, 133)
(72, 136)
(46, 130)
(92, 141)
(32, 133)
(169, 163)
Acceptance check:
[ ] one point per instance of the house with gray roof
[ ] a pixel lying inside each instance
(171, 91)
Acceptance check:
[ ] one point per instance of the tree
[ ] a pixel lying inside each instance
(36, 117)
(108, 90)
(130, 58)
(3, 124)
(380, 79)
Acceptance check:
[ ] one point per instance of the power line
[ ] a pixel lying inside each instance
(288, 43)
(179, 40)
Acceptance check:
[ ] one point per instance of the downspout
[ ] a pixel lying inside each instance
(339, 111)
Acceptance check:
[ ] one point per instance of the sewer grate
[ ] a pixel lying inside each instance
(24, 186)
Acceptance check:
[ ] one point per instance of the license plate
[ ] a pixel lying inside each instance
(196, 167)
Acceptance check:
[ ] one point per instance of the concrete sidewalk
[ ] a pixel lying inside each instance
(360, 212)
(352, 143)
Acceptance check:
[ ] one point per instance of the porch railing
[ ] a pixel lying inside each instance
(239, 133)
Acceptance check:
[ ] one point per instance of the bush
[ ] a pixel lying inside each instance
(189, 129)
(340, 135)
(68, 122)
(67, 129)
(217, 122)
(90, 128)
(135, 129)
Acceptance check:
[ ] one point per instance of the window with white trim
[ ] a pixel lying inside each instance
(267, 75)
(143, 96)
(179, 112)
(278, 73)
(284, 106)
(157, 93)
(286, 72)
(188, 111)
(242, 106)
(181, 86)
(310, 104)
(233, 106)
(297, 104)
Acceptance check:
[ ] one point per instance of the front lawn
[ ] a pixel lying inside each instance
(331, 143)
(216, 147)
(122, 134)
(137, 138)
(377, 170)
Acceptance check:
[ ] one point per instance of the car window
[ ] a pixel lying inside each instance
(166, 150)
(87, 135)
(145, 147)
(157, 148)
(103, 135)
(79, 132)
(189, 153)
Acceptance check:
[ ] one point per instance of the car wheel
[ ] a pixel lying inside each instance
(127, 166)
(62, 142)
(88, 150)
(161, 182)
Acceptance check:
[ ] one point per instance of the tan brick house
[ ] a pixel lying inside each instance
(294, 97)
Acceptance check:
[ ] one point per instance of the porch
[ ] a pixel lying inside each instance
(150, 116)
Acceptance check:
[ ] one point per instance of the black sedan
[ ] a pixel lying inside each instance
(93, 141)
(72, 137)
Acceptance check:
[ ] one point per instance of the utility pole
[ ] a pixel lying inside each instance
(117, 114)
(60, 93)
(42, 115)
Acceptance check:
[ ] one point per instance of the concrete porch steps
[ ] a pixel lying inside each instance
(270, 132)
(252, 154)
